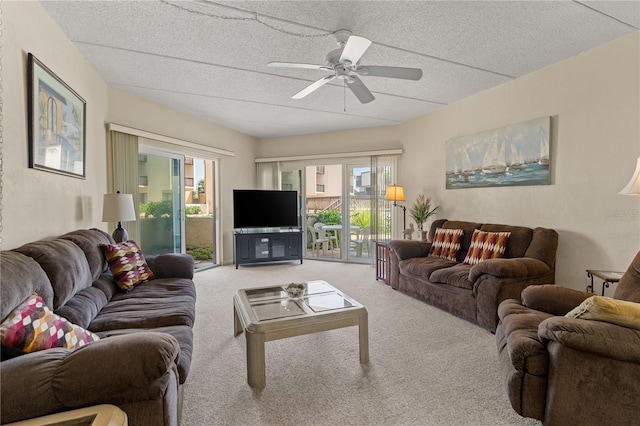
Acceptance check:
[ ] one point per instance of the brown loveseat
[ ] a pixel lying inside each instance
(571, 371)
(144, 352)
(474, 292)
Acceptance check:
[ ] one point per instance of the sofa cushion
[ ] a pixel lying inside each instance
(64, 263)
(20, 277)
(457, 276)
(446, 243)
(89, 241)
(127, 264)
(519, 239)
(83, 306)
(33, 327)
(600, 308)
(486, 245)
(156, 303)
(423, 266)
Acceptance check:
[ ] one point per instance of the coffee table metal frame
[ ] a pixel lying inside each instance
(258, 332)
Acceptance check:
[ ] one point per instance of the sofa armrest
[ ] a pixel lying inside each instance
(115, 370)
(553, 299)
(594, 337)
(407, 249)
(171, 265)
(521, 267)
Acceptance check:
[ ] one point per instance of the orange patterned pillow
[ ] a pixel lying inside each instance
(446, 243)
(486, 245)
(127, 264)
(31, 327)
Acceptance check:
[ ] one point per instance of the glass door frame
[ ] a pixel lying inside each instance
(145, 149)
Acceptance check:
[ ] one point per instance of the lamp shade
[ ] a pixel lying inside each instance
(118, 208)
(633, 187)
(395, 193)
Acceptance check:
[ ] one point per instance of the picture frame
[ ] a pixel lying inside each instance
(514, 155)
(57, 123)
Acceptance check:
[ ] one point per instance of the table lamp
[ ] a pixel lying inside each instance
(118, 208)
(395, 193)
(633, 187)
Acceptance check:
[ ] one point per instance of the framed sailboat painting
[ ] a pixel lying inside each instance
(509, 156)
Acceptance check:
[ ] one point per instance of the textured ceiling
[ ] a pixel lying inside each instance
(209, 59)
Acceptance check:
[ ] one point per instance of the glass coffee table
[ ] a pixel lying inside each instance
(268, 313)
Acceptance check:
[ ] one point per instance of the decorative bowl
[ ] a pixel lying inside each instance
(294, 290)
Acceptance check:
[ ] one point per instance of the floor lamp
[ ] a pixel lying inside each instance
(118, 208)
(395, 193)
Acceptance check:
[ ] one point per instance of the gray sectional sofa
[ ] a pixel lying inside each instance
(473, 292)
(144, 353)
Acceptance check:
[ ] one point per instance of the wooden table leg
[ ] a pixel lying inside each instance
(363, 328)
(255, 360)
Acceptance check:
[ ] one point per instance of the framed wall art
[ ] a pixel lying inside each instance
(508, 156)
(57, 123)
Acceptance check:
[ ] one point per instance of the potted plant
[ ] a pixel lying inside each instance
(420, 212)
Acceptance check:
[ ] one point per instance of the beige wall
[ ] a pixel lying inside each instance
(594, 101)
(39, 204)
(235, 172)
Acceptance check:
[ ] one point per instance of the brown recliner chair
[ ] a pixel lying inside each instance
(568, 371)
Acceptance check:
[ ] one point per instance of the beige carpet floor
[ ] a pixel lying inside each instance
(426, 367)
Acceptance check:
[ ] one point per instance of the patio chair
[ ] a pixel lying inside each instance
(318, 242)
(322, 233)
(363, 239)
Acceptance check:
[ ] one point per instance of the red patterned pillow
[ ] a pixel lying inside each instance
(31, 327)
(486, 245)
(127, 264)
(446, 243)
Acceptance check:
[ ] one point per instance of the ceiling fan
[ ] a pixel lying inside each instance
(343, 62)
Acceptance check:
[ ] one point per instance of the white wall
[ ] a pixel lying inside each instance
(594, 102)
(39, 204)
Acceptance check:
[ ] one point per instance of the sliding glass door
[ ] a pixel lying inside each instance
(358, 224)
(161, 202)
(344, 210)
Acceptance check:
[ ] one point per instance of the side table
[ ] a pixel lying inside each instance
(98, 415)
(607, 277)
(382, 261)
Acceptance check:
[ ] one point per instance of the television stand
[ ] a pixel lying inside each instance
(267, 247)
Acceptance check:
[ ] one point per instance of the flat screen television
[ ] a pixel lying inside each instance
(259, 208)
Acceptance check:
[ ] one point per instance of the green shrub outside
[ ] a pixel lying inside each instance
(157, 208)
(192, 210)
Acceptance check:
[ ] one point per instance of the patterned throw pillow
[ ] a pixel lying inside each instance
(446, 243)
(127, 264)
(31, 327)
(486, 245)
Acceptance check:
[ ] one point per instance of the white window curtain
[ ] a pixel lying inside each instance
(122, 174)
(268, 175)
(384, 168)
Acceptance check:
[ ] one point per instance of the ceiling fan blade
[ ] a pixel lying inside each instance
(358, 88)
(313, 86)
(295, 65)
(354, 49)
(392, 72)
